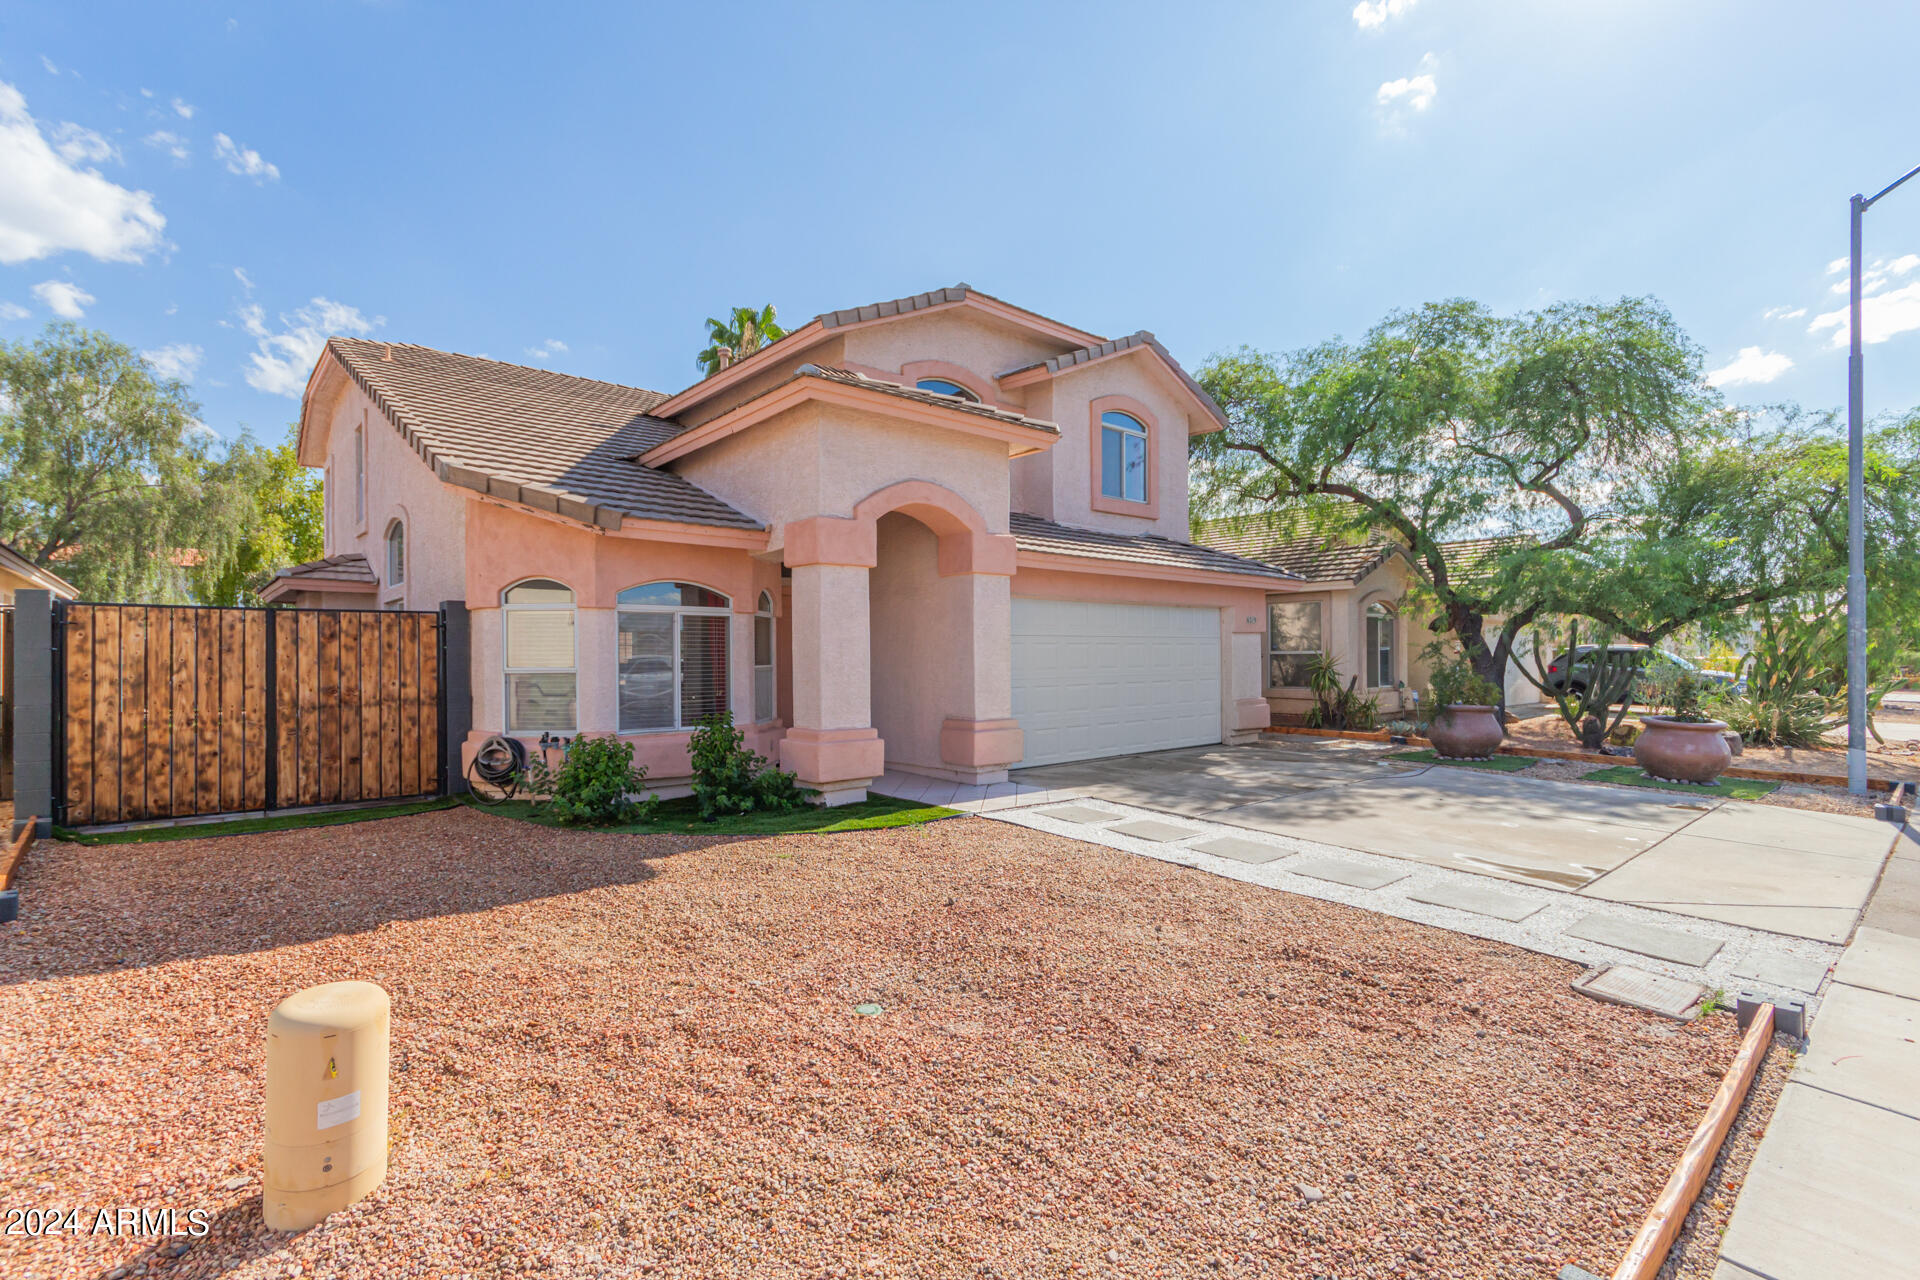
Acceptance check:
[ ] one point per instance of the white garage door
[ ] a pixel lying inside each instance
(1094, 680)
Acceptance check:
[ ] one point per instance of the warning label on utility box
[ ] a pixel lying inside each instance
(335, 1111)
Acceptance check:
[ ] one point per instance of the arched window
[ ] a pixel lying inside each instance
(1123, 457)
(396, 553)
(763, 702)
(537, 618)
(1380, 663)
(672, 655)
(946, 387)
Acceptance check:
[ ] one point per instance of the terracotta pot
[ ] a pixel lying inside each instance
(1465, 732)
(1681, 750)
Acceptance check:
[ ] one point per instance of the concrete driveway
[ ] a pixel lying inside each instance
(1761, 866)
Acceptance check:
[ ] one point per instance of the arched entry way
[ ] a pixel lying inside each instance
(901, 641)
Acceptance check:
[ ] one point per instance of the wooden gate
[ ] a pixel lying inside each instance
(171, 711)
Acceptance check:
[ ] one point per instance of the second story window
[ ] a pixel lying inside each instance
(360, 475)
(1123, 457)
(946, 387)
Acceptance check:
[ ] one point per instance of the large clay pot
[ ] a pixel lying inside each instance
(1682, 750)
(1465, 732)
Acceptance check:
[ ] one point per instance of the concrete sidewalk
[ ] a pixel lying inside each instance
(1834, 1191)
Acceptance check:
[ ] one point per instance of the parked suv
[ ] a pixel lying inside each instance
(1574, 670)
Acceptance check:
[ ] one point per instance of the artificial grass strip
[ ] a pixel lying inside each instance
(252, 826)
(1498, 764)
(683, 815)
(1725, 789)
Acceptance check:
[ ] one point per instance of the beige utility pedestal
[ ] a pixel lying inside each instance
(326, 1101)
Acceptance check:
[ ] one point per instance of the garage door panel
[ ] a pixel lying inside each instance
(1094, 680)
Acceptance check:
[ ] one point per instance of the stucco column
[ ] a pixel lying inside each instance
(981, 738)
(832, 745)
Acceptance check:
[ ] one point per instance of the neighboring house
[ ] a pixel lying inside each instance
(940, 534)
(1351, 601)
(18, 573)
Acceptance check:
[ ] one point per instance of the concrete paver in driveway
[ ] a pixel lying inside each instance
(1788, 871)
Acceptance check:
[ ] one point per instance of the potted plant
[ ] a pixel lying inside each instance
(1466, 723)
(1686, 745)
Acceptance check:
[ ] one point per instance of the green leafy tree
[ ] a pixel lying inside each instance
(742, 333)
(1750, 512)
(288, 527)
(106, 475)
(1449, 422)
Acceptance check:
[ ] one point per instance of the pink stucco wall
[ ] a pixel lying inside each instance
(400, 486)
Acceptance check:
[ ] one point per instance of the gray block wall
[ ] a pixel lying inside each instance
(456, 680)
(33, 710)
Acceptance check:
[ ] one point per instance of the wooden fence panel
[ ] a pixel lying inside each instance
(174, 710)
(254, 709)
(350, 626)
(79, 725)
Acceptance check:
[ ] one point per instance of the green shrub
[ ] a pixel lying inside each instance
(728, 779)
(595, 784)
(1334, 706)
(1456, 683)
(1780, 719)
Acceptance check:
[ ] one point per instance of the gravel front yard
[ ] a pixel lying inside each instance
(638, 1054)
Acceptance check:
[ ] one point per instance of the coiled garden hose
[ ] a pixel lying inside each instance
(500, 763)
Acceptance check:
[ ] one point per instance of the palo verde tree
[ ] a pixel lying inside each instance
(1751, 511)
(1449, 422)
(106, 475)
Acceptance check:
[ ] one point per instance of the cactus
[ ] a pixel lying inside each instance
(1590, 712)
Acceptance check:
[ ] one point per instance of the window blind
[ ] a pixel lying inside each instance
(703, 667)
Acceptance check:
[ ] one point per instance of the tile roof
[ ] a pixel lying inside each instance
(549, 440)
(922, 301)
(350, 567)
(1031, 533)
(1470, 559)
(1314, 559)
(1143, 338)
(13, 559)
(849, 378)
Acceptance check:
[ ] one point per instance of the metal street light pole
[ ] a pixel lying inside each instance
(1857, 515)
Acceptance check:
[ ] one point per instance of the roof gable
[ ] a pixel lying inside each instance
(552, 441)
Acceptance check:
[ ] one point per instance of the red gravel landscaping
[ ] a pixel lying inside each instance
(638, 1054)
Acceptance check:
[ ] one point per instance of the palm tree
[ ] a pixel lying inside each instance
(741, 334)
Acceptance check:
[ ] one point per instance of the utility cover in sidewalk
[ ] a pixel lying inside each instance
(1618, 984)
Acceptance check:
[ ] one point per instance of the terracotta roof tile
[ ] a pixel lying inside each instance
(551, 440)
(1031, 533)
(350, 567)
(904, 392)
(1087, 355)
(1314, 559)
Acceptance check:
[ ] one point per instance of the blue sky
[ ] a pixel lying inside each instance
(581, 185)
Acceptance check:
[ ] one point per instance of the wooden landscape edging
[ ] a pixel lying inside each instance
(1648, 1252)
(16, 854)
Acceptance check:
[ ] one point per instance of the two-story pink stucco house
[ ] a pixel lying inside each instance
(942, 535)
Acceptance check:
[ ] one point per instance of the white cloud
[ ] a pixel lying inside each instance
(1882, 316)
(64, 298)
(284, 358)
(1876, 275)
(246, 281)
(243, 160)
(1374, 13)
(175, 360)
(171, 143)
(13, 311)
(47, 62)
(199, 428)
(1783, 313)
(1838, 265)
(1409, 95)
(1750, 366)
(146, 93)
(79, 145)
(547, 350)
(183, 109)
(48, 205)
